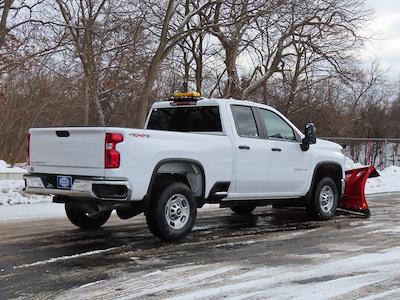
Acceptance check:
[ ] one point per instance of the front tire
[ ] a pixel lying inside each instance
(172, 212)
(324, 200)
(243, 209)
(78, 216)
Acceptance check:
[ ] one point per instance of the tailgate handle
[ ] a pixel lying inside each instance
(62, 133)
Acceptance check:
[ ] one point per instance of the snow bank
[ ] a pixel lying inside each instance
(388, 181)
(350, 164)
(6, 168)
(11, 192)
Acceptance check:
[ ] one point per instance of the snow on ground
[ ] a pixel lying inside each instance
(11, 192)
(322, 279)
(350, 164)
(6, 168)
(31, 211)
(388, 181)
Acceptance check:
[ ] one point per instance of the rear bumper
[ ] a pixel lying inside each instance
(89, 188)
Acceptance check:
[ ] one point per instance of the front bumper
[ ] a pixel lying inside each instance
(89, 188)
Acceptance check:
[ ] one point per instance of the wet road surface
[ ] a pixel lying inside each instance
(275, 253)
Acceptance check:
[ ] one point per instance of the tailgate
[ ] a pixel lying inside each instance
(67, 150)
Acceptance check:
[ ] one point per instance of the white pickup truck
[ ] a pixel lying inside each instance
(193, 151)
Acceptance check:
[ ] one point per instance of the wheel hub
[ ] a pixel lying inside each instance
(177, 211)
(326, 199)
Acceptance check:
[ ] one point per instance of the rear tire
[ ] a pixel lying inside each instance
(324, 200)
(243, 209)
(77, 215)
(172, 212)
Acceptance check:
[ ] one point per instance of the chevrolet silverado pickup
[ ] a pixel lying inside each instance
(237, 154)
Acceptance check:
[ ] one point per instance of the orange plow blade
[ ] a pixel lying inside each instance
(354, 194)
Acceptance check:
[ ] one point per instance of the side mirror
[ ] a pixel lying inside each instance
(310, 136)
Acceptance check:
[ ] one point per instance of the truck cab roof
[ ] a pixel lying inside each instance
(208, 101)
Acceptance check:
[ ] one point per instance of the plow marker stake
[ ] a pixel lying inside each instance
(354, 194)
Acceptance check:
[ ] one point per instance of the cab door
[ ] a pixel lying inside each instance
(252, 157)
(289, 166)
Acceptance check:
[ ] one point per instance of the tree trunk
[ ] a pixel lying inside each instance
(3, 21)
(186, 72)
(232, 87)
(199, 74)
(86, 107)
(199, 65)
(294, 83)
(144, 100)
(94, 114)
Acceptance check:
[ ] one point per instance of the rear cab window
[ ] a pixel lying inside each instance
(199, 119)
(245, 122)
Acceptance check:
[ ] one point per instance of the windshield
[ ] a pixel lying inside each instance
(186, 119)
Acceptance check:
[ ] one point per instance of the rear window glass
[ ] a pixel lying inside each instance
(186, 119)
(244, 121)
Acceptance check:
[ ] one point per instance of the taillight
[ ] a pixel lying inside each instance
(112, 156)
(28, 140)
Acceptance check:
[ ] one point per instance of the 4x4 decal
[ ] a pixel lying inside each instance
(139, 135)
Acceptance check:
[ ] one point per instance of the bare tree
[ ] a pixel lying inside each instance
(81, 22)
(175, 24)
(81, 62)
(325, 27)
(230, 21)
(19, 11)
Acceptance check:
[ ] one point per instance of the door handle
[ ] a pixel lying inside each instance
(244, 147)
(276, 149)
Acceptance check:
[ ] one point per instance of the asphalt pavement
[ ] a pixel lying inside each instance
(274, 253)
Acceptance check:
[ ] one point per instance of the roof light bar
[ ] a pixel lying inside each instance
(187, 95)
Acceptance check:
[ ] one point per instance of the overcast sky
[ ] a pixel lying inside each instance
(386, 26)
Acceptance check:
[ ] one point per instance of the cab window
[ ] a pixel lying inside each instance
(276, 127)
(202, 119)
(244, 121)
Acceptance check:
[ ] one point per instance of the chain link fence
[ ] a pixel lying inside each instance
(379, 152)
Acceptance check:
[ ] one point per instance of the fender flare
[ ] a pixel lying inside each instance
(317, 166)
(175, 160)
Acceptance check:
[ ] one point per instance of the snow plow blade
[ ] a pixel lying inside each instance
(354, 195)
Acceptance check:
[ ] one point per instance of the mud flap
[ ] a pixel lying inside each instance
(354, 196)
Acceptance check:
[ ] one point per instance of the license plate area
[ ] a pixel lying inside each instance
(64, 182)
